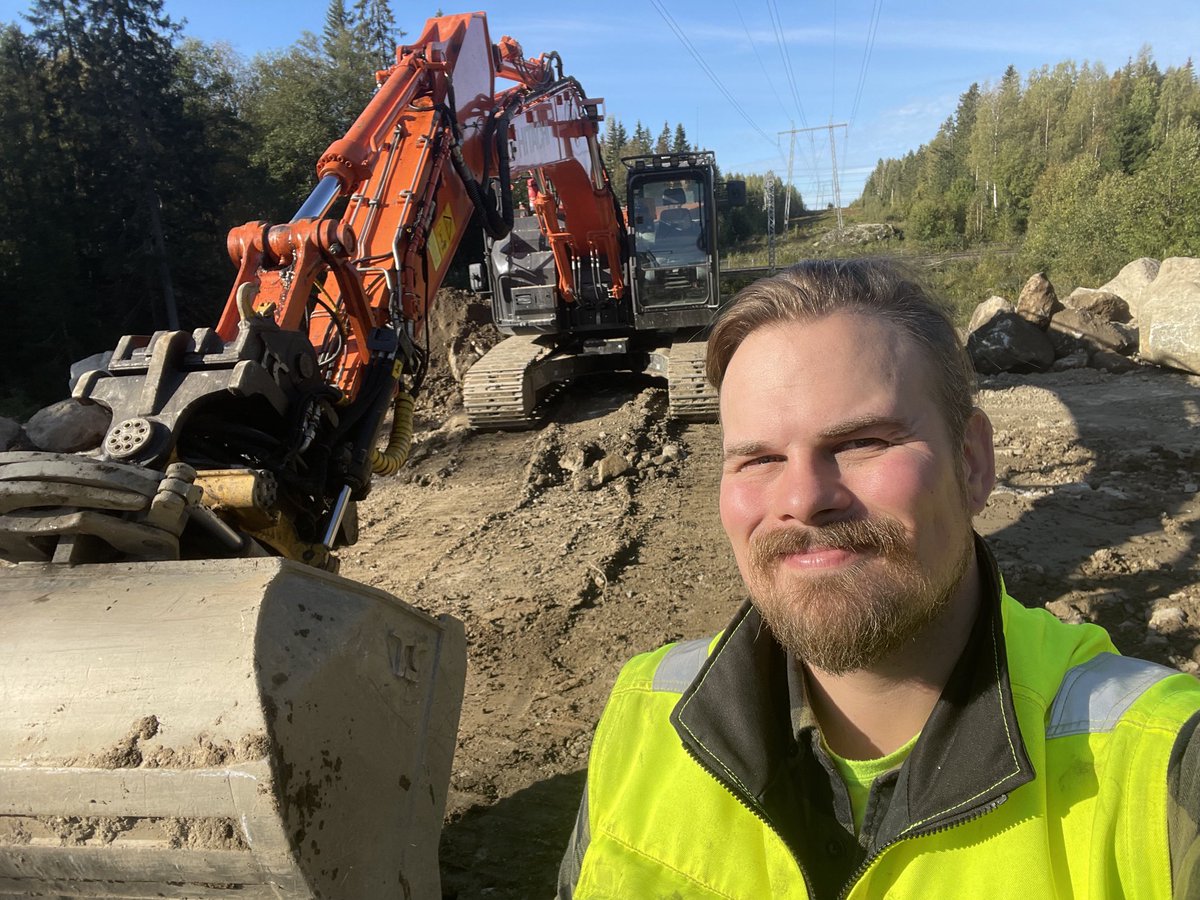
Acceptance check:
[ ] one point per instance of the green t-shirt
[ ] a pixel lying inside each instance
(859, 774)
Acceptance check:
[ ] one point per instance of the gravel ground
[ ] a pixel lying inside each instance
(569, 548)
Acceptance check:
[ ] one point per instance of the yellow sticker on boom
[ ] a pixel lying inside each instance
(441, 236)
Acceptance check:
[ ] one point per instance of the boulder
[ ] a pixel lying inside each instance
(1132, 281)
(1076, 359)
(854, 235)
(1071, 328)
(1170, 316)
(68, 426)
(9, 429)
(1112, 362)
(1009, 343)
(988, 310)
(1105, 304)
(1038, 301)
(614, 465)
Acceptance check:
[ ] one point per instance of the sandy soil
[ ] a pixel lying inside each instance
(558, 582)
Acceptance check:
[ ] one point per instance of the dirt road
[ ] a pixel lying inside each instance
(559, 581)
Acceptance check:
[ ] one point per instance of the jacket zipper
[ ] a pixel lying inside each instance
(905, 835)
(754, 810)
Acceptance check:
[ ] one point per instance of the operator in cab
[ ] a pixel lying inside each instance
(881, 719)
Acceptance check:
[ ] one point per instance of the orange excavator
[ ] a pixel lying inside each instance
(192, 702)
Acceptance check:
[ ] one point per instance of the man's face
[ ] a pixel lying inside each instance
(848, 508)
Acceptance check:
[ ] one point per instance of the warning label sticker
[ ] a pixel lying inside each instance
(441, 236)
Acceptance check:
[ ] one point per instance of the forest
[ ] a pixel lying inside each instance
(1081, 169)
(130, 150)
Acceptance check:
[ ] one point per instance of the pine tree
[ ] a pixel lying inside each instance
(376, 31)
(663, 144)
(679, 143)
(337, 26)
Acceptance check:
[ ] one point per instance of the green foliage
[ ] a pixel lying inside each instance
(1088, 169)
(616, 143)
(1086, 224)
(130, 153)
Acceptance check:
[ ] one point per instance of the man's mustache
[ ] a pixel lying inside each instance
(881, 534)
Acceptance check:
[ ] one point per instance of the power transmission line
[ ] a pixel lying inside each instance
(674, 26)
(777, 23)
(833, 68)
(837, 194)
(753, 46)
(872, 30)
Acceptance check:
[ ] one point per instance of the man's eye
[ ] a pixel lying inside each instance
(760, 460)
(865, 443)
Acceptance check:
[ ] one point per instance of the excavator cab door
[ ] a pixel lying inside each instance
(673, 232)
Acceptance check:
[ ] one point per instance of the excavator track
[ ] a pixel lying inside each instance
(690, 396)
(501, 390)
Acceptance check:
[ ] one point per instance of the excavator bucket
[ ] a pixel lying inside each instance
(236, 728)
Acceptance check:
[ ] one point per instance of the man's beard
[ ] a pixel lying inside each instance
(850, 619)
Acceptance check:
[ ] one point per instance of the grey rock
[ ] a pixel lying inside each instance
(1131, 282)
(1076, 359)
(1170, 316)
(988, 310)
(1071, 328)
(68, 426)
(573, 460)
(1038, 301)
(1166, 619)
(1112, 362)
(1009, 343)
(1129, 331)
(672, 451)
(9, 429)
(585, 480)
(1105, 304)
(866, 233)
(612, 466)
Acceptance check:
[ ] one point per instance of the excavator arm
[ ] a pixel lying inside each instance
(325, 325)
(189, 707)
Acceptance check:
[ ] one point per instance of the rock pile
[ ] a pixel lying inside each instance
(1148, 313)
(857, 235)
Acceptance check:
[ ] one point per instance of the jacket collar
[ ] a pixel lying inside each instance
(736, 720)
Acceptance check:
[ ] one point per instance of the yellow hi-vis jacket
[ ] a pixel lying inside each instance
(1049, 769)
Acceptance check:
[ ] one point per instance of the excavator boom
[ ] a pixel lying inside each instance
(192, 703)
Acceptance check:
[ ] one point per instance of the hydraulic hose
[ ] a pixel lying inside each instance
(392, 457)
(497, 225)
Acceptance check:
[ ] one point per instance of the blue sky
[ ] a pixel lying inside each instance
(632, 54)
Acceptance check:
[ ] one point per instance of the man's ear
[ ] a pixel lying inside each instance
(979, 460)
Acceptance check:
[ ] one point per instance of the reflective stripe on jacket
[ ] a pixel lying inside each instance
(1043, 772)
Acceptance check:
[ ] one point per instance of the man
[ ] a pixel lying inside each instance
(882, 720)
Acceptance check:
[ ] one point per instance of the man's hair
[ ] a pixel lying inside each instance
(813, 289)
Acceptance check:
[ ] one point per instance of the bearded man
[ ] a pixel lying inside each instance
(882, 719)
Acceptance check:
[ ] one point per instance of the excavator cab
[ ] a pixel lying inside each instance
(673, 213)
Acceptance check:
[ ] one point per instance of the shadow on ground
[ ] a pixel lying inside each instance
(516, 844)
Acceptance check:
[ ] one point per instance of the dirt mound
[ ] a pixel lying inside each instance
(460, 331)
(568, 549)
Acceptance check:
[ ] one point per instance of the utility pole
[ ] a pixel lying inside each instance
(787, 199)
(837, 194)
(769, 205)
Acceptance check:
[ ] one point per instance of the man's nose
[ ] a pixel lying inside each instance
(811, 490)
